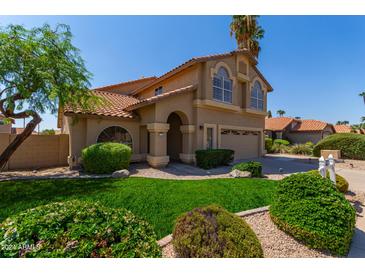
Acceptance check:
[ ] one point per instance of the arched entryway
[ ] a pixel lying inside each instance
(174, 137)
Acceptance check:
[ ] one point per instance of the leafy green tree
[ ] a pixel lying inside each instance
(342, 122)
(48, 132)
(269, 115)
(362, 94)
(247, 32)
(40, 71)
(280, 112)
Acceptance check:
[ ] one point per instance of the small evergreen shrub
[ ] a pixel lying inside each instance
(302, 149)
(268, 144)
(254, 167)
(213, 232)
(79, 230)
(105, 158)
(351, 145)
(210, 158)
(341, 183)
(310, 209)
(281, 142)
(280, 148)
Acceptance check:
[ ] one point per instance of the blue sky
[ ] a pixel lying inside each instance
(315, 63)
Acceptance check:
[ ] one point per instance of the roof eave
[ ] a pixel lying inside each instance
(158, 98)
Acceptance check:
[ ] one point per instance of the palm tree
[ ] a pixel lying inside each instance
(247, 32)
(269, 115)
(280, 112)
(362, 94)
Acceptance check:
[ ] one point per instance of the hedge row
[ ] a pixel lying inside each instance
(210, 158)
(352, 145)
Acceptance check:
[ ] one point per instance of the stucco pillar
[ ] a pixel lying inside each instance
(158, 144)
(187, 155)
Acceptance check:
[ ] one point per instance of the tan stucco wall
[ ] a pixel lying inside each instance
(5, 128)
(303, 137)
(241, 85)
(85, 131)
(37, 151)
(185, 78)
(226, 120)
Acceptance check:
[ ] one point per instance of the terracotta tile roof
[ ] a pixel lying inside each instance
(114, 105)
(205, 58)
(309, 125)
(277, 123)
(129, 86)
(153, 99)
(342, 128)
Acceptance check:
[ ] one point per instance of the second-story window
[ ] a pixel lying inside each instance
(222, 86)
(158, 91)
(257, 97)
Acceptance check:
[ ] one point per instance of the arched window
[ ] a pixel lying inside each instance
(257, 96)
(115, 134)
(222, 86)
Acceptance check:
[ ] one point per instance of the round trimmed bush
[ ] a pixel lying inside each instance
(341, 183)
(254, 167)
(268, 144)
(213, 232)
(352, 145)
(77, 229)
(310, 209)
(105, 158)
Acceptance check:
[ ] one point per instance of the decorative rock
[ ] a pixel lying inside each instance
(240, 174)
(123, 173)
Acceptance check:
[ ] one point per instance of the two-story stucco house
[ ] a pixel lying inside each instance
(215, 101)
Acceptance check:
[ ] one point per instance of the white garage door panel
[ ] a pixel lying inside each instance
(244, 146)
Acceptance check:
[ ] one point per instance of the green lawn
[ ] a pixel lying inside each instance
(157, 201)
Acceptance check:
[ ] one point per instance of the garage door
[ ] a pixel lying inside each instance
(244, 143)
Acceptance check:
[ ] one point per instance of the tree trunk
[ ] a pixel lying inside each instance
(19, 139)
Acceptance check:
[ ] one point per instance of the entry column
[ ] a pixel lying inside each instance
(187, 155)
(157, 156)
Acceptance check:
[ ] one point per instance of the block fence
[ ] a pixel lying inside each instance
(37, 151)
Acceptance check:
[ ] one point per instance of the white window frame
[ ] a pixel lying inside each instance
(256, 97)
(222, 88)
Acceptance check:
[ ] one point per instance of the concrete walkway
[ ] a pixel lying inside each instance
(356, 179)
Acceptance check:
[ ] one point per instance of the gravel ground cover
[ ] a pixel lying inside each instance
(275, 243)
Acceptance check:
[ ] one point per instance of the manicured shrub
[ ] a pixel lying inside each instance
(341, 183)
(254, 167)
(302, 149)
(281, 142)
(77, 229)
(210, 158)
(105, 158)
(213, 232)
(310, 209)
(352, 145)
(268, 144)
(280, 146)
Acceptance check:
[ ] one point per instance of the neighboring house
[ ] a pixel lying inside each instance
(297, 131)
(215, 101)
(342, 129)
